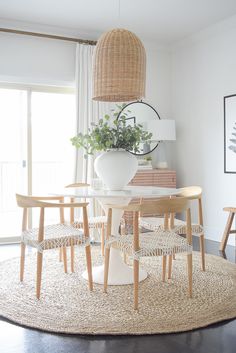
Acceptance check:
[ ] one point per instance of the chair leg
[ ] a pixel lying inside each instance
(202, 250)
(190, 275)
(106, 268)
(72, 257)
(60, 254)
(64, 258)
(22, 261)
(169, 266)
(39, 273)
(173, 256)
(136, 279)
(163, 268)
(89, 266)
(226, 231)
(122, 232)
(102, 239)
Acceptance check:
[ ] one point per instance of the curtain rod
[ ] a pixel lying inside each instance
(50, 36)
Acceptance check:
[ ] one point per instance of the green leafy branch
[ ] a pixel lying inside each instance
(112, 133)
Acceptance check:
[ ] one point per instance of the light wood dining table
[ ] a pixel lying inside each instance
(119, 272)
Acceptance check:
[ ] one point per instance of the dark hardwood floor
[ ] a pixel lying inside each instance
(218, 338)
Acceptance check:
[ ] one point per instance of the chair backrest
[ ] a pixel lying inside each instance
(194, 193)
(27, 202)
(163, 206)
(35, 201)
(80, 185)
(191, 192)
(77, 185)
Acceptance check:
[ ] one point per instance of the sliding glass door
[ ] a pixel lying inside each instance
(13, 155)
(36, 155)
(52, 126)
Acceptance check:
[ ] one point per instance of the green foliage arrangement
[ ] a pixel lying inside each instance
(112, 133)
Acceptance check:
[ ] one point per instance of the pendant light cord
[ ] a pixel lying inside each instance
(119, 24)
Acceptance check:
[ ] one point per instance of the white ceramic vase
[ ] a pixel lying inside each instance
(116, 168)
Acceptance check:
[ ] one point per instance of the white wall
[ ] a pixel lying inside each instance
(203, 72)
(158, 79)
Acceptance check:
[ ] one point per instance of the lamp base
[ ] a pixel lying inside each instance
(159, 159)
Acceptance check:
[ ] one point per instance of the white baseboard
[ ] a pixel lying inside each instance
(216, 235)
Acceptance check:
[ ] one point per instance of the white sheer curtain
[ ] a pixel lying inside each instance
(87, 110)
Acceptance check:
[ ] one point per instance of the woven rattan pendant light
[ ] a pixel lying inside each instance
(119, 67)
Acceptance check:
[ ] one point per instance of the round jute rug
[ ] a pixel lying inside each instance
(67, 306)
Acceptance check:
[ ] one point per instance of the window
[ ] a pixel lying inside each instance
(36, 156)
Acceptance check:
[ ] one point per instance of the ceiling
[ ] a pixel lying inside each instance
(163, 21)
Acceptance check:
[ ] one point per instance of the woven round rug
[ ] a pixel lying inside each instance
(67, 306)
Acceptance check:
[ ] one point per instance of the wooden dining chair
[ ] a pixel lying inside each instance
(95, 222)
(179, 226)
(52, 236)
(228, 227)
(163, 242)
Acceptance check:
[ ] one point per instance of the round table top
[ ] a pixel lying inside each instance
(127, 192)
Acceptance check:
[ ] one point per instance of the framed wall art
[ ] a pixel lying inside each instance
(230, 134)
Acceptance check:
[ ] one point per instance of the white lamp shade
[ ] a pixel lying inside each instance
(162, 129)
